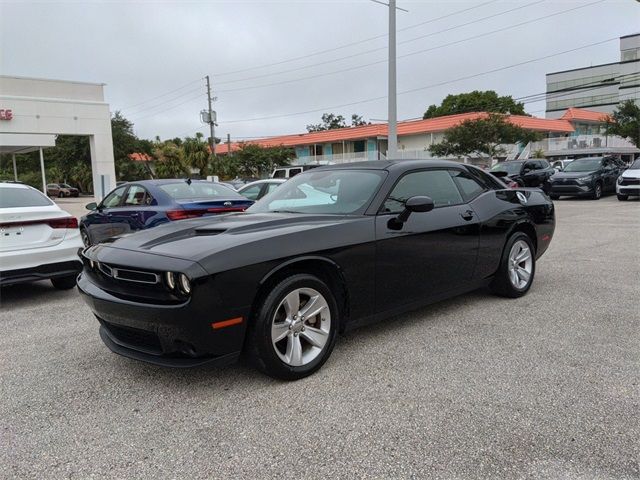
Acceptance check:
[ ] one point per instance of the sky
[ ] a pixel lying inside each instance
(276, 66)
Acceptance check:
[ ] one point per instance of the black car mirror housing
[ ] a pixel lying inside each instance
(417, 204)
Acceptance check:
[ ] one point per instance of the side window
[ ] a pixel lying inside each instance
(437, 184)
(488, 179)
(544, 164)
(531, 166)
(137, 195)
(252, 192)
(294, 171)
(281, 173)
(469, 187)
(113, 199)
(271, 187)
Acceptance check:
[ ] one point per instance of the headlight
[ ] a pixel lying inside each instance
(585, 179)
(620, 179)
(185, 284)
(170, 280)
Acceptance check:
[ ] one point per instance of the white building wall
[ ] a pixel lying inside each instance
(63, 108)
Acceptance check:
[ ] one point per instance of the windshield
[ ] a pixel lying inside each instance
(509, 167)
(11, 197)
(184, 191)
(583, 165)
(324, 192)
(635, 165)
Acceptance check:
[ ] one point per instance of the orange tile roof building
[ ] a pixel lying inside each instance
(369, 142)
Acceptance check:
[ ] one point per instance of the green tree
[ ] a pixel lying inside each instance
(331, 121)
(197, 155)
(476, 101)
(252, 160)
(484, 136)
(170, 160)
(625, 122)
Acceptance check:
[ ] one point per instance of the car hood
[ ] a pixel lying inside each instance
(233, 240)
(631, 173)
(563, 175)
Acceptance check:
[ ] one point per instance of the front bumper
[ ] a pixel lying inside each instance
(570, 190)
(172, 334)
(633, 190)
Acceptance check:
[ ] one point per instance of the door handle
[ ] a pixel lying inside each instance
(135, 214)
(468, 215)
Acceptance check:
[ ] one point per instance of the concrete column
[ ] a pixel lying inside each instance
(15, 169)
(44, 179)
(102, 163)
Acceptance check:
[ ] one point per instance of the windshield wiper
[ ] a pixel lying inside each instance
(282, 211)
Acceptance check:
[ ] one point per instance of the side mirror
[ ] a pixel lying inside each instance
(91, 206)
(417, 204)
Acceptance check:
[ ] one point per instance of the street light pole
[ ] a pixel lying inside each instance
(392, 134)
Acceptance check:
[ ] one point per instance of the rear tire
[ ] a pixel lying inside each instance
(517, 267)
(623, 198)
(64, 283)
(280, 341)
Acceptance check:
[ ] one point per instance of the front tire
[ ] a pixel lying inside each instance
(517, 267)
(623, 198)
(294, 328)
(597, 192)
(86, 240)
(554, 197)
(64, 283)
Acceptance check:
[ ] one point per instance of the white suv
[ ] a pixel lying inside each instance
(38, 240)
(629, 182)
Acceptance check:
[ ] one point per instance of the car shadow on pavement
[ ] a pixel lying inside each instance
(21, 295)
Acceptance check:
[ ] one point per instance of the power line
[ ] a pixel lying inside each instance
(467, 77)
(163, 95)
(359, 54)
(346, 45)
(164, 102)
(165, 108)
(357, 67)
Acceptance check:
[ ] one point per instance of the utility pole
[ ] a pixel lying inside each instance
(392, 135)
(211, 119)
(229, 144)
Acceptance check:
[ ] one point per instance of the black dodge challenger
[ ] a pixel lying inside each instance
(333, 248)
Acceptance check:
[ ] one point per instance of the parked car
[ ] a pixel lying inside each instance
(526, 173)
(591, 177)
(238, 183)
(628, 184)
(38, 240)
(288, 172)
(560, 165)
(61, 190)
(257, 190)
(282, 284)
(149, 203)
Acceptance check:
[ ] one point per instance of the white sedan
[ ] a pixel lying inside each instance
(38, 240)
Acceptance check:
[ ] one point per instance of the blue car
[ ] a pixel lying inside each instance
(149, 203)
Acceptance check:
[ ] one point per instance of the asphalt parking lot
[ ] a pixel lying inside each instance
(546, 386)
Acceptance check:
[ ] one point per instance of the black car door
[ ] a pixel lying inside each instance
(434, 252)
(611, 173)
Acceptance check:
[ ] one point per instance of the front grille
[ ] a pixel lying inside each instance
(127, 275)
(135, 338)
(630, 181)
(561, 183)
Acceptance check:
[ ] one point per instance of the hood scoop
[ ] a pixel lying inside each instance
(207, 232)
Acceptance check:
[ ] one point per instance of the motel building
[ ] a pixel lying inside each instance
(577, 133)
(34, 111)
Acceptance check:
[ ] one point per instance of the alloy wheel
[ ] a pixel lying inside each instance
(300, 327)
(520, 264)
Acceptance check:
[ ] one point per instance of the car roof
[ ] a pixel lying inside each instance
(391, 165)
(15, 185)
(168, 181)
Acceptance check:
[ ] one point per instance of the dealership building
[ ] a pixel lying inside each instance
(33, 111)
(599, 88)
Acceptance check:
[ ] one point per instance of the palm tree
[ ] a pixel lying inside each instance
(196, 151)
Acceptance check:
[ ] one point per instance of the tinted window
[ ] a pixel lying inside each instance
(532, 166)
(510, 167)
(22, 197)
(137, 195)
(294, 171)
(184, 191)
(488, 179)
(437, 184)
(113, 199)
(329, 192)
(543, 164)
(468, 186)
(280, 174)
(251, 192)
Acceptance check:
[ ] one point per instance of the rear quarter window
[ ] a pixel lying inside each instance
(22, 197)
